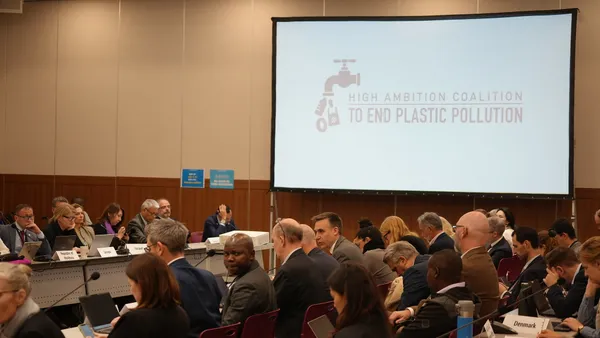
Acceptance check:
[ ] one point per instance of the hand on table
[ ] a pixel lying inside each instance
(572, 323)
(399, 316)
(549, 334)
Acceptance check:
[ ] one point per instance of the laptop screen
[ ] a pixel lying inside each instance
(100, 309)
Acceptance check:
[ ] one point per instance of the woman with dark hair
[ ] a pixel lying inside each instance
(509, 219)
(110, 221)
(371, 243)
(358, 303)
(156, 291)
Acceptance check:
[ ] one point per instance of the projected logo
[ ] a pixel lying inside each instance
(326, 109)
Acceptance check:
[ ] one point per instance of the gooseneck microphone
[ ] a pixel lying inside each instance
(94, 276)
(209, 253)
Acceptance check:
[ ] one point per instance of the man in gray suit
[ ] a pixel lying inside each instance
(328, 229)
(251, 292)
(23, 230)
(136, 229)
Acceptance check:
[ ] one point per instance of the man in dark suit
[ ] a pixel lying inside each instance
(432, 230)
(219, 223)
(200, 294)
(251, 291)
(23, 230)
(298, 283)
(136, 227)
(328, 229)
(405, 260)
(562, 263)
(437, 315)
(527, 246)
(499, 247)
(563, 231)
(326, 264)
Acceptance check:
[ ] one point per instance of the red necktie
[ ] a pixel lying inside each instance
(22, 235)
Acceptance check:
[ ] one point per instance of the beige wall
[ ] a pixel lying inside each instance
(145, 88)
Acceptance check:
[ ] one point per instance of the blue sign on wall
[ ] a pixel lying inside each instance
(221, 179)
(192, 178)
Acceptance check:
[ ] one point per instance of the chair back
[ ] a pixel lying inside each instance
(315, 311)
(384, 289)
(230, 331)
(196, 237)
(510, 268)
(261, 325)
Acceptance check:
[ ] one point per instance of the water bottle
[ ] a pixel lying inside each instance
(465, 308)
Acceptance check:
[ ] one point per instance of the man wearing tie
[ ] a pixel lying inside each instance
(23, 230)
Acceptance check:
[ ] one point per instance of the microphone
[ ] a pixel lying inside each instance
(496, 312)
(94, 276)
(209, 253)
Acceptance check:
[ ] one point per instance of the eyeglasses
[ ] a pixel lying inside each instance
(454, 227)
(7, 291)
(26, 216)
(148, 248)
(70, 218)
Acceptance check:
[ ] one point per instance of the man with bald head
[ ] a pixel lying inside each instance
(298, 283)
(479, 273)
(326, 264)
(251, 291)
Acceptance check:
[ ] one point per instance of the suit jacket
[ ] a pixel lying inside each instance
(8, 235)
(53, 230)
(441, 243)
(367, 326)
(212, 227)
(415, 283)
(325, 263)
(249, 294)
(566, 306)
(380, 271)
(39, 326)
(344, 250)
(433, 318)
(500, 251)
(153, 323)
(200, 296)
(535, 271)
(298, 284)
(576, 246)
(481, 278)
(136, 228)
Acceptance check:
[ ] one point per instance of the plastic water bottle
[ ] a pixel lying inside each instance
(465, 308)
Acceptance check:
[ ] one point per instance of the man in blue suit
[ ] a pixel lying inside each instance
(432, 230)
(200, 294)
(219, 223)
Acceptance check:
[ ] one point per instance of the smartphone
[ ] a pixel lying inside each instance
(86, 331)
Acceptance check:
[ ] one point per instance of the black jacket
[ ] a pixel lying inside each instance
(366, 327)
(325, 263)
(298, 284)
(212, 227)
(53, 230)
(500, 251)
(152, 323)
(415, 283)
(39, 326)
(535, 271)
(200, 296)
(136, 228)
(433, 317)
(441, 243)
(566, 306)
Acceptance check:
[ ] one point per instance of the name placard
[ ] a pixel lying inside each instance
(136, 249)
(488, 331)
(107, 252)
(67, 255)
(527, 325)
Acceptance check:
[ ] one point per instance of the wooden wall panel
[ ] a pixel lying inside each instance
(3, 208)
(96, 191)
(132, 191)
(299, 206)
(259, 205)
(587, 203)
(35, 190)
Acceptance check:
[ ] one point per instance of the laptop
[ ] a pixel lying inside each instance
(30, 249)
(100, 310)
(64, 243)
(100, 241)
(321, 326)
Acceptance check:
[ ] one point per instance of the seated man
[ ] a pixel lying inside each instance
(404, 259)
(325, 263)
(251, 291)
(564, 233)
(562, 263)
(437, 315)
(499, 247)
(527, 246)
(219, 223)
(200, 294)
(432, 229)
(164, 208)
(137, 225)
(328, 229)
(23, 230)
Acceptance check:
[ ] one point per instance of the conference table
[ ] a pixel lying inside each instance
(53, 280)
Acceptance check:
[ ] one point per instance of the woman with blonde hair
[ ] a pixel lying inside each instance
(84, 232)
(20, 316)
(393, 228)
(62, 223)
(447, 227)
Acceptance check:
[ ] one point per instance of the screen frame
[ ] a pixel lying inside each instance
(570, 195)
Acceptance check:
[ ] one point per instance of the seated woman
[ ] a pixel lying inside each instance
(156, 291)
(62, 223)
(20, 316)
(393, 228)
(85, 233)
(370, 241)
(109, 221)
(358, 303)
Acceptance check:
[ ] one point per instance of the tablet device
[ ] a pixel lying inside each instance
(100, 310)
(321, 326)
(30, 249)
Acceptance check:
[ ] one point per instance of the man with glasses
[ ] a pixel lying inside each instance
(23, 230)
(135, 228)
(164, 208)
(499, 247)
